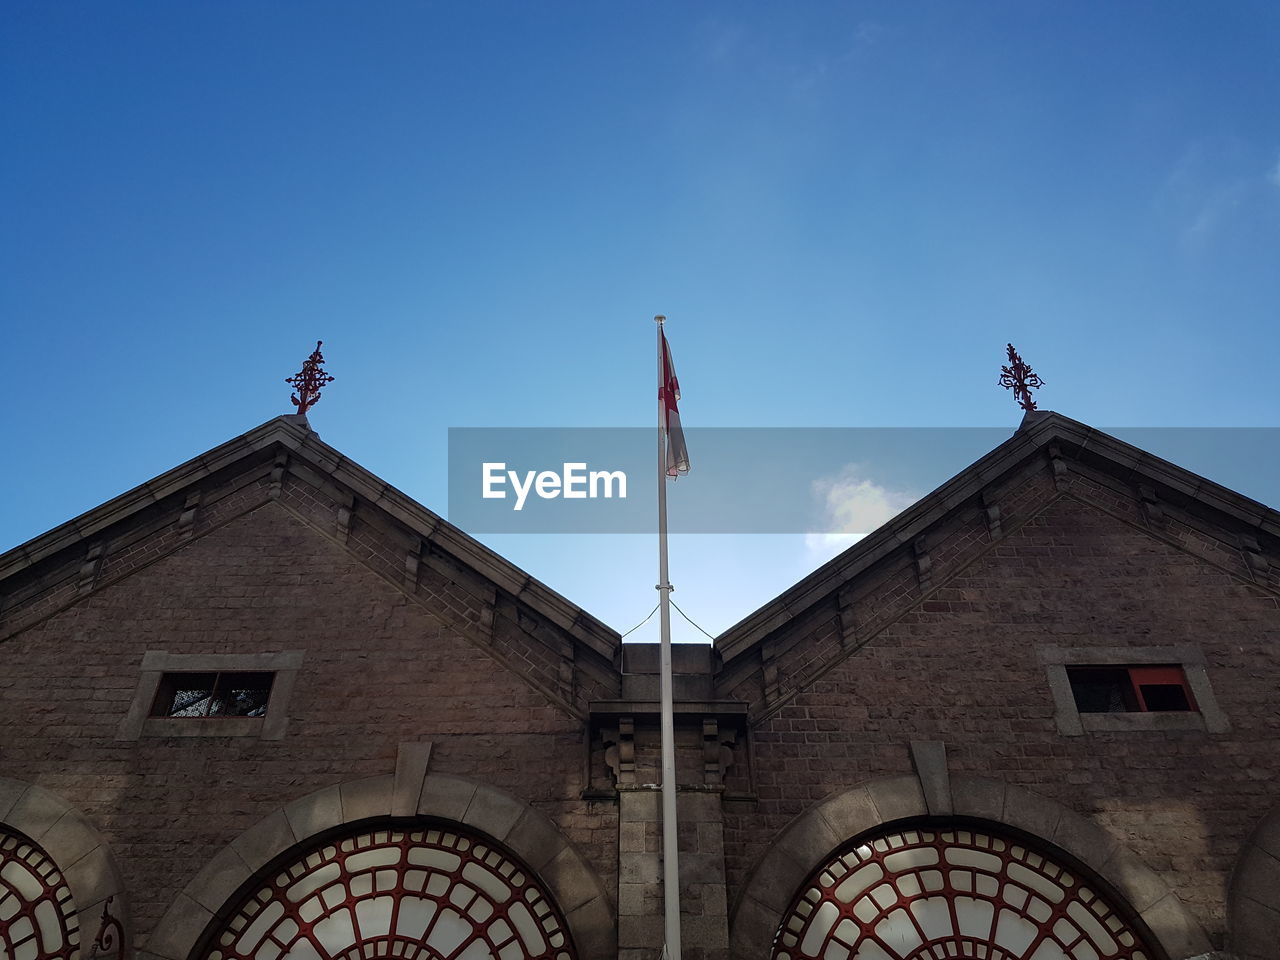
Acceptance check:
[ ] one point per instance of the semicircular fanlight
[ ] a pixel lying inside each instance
(37, 912)
(417, 894)
(952, 893)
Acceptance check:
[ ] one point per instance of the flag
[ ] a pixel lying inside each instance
(668, 395)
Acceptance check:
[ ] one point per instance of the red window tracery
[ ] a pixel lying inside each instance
(428, 894)
(944, 894)
(37, 914)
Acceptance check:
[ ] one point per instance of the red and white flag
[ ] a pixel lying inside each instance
(668, 395)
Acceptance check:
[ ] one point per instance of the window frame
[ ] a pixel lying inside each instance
(1205, 716)
(219, 682)
(139, 722)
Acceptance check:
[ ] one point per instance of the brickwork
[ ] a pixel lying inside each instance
(960, 667)
(379, 669)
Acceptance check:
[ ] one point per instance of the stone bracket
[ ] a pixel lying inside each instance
(772, 680)
(847, 620)
(565, 672)
(1059, 467)
(924, 565)
(412, 560)
(342, 524)
(992, 509)
(1152, 509)
(187, 519)
(278, 469)
(89, 569)
(1253, 555)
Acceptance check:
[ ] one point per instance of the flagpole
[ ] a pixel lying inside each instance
(670, 836)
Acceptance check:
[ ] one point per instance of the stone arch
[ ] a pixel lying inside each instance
(80, 852)
(818, 832)
(1253, 907)
(530, 835)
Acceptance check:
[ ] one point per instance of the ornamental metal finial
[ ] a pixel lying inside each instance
(308, 381)
(1018, 375)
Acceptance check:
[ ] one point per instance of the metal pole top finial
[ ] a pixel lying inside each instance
(659, 318)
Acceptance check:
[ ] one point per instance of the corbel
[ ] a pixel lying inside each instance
(1058, 465)
(772, 676)
(89, 569)
(346, 509)
(187, 519)
(846, 619)
(565, 671)
(1253, 555)
(1152, 509)
(992, 509)
(277, 474)
(924, 565)
(412, 559)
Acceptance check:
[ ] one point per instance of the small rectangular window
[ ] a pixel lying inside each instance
(1130, 689)
(222, 694)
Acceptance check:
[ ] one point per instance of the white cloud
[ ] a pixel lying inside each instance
(852, 506)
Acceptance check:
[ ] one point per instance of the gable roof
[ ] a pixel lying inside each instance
(1038, 433)
(294, 434)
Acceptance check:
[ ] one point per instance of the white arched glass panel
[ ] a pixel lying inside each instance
(412, 894)
(37, 915)
(950, 894)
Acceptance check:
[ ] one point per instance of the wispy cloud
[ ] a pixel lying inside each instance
(852, 505)
(725, 42)
(1210, 187)
(866, 34)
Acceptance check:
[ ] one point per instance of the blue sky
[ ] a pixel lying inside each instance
(844, 209)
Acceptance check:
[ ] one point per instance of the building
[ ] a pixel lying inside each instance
(267, 705)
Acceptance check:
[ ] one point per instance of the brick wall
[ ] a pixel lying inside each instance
(961, 667)
(379, 668)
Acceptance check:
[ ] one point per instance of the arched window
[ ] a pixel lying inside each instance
(939, 894)
(37, 915)
(417, 894)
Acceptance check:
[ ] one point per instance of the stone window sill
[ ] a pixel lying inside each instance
(1136, 722)
(202, 727)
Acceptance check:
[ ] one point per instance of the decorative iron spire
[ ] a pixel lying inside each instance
(308, 381)
(1018, 375)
